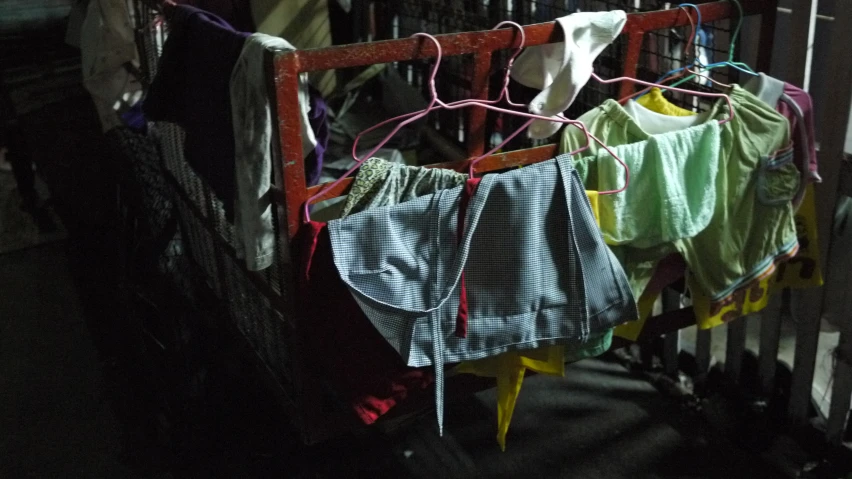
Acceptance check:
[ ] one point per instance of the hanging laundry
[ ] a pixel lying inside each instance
(560, 70)
(655, 101)
(192, 89)
(402, 265)
(753, 185)
(796, 105)
(803, 271)
(382, 183)
(672, 192)
(510, 367)
(256, 150)
(107, 47)
(365, 375)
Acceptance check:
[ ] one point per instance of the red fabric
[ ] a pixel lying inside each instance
(668, 271)
(461, 318)
(346, 349)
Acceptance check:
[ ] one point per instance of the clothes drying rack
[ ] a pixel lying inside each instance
(482, 46)
(261, 305)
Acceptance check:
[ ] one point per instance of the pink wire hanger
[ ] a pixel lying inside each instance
(411, 117)
(504, 92)
(670, 88)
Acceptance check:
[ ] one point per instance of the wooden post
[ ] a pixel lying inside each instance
(836, 115)
(770, 336)
(801, 42)
(671, 341)
(703, 343)
(735, 348)
(809, 302)
(768, 20)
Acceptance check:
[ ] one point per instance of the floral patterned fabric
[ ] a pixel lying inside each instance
(382, 183)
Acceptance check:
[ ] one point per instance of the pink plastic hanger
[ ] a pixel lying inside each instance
(669, 88)
(411, 117)
(561, 119)
(504, 92)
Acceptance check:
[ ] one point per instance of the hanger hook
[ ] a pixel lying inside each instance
(434, 72)
(694, 32)
(736, 33)
(697, 11)
(306, 209)
(523, 42)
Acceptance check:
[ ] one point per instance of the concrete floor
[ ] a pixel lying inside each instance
(59, 319)
(55, 418)
(823, 370)
(598, 422)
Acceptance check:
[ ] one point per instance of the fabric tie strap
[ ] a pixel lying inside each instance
(461, 318)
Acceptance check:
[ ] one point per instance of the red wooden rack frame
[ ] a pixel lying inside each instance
(292, 193)
(481, 45)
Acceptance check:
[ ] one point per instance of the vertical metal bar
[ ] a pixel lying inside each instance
(807, 322)
(801, 42)
(770, 336)
(768, 21)
(286, 76)
(703, 344)
(735, 348)
(671, 341)
(307, 391)
(835, 113)
(631, 61)
(841, 391)
(477, 116)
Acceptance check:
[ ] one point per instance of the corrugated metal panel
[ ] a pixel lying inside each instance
(24, 15)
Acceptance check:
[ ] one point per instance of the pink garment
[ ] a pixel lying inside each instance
(801, 127)
(796, 105)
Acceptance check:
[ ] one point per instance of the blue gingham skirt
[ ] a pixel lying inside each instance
(537, 271)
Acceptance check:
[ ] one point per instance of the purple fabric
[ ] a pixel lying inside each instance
(319, 123)
(135, 119)
(235, 12)
(192, 89)
(802, 131)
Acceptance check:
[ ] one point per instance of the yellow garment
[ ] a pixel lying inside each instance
(509, 368)
(655, 101)
(593, 201)
(802, 271)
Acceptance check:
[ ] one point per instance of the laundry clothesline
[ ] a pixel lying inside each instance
(290, 64)
(756, 182)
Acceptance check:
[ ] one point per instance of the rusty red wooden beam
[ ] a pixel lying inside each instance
(362, 54)
(492, 163)
(287, 66)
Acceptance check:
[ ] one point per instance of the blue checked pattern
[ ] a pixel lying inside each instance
(537, 270)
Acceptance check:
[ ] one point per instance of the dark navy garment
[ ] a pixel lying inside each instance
(319, 124)
(192, 89)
